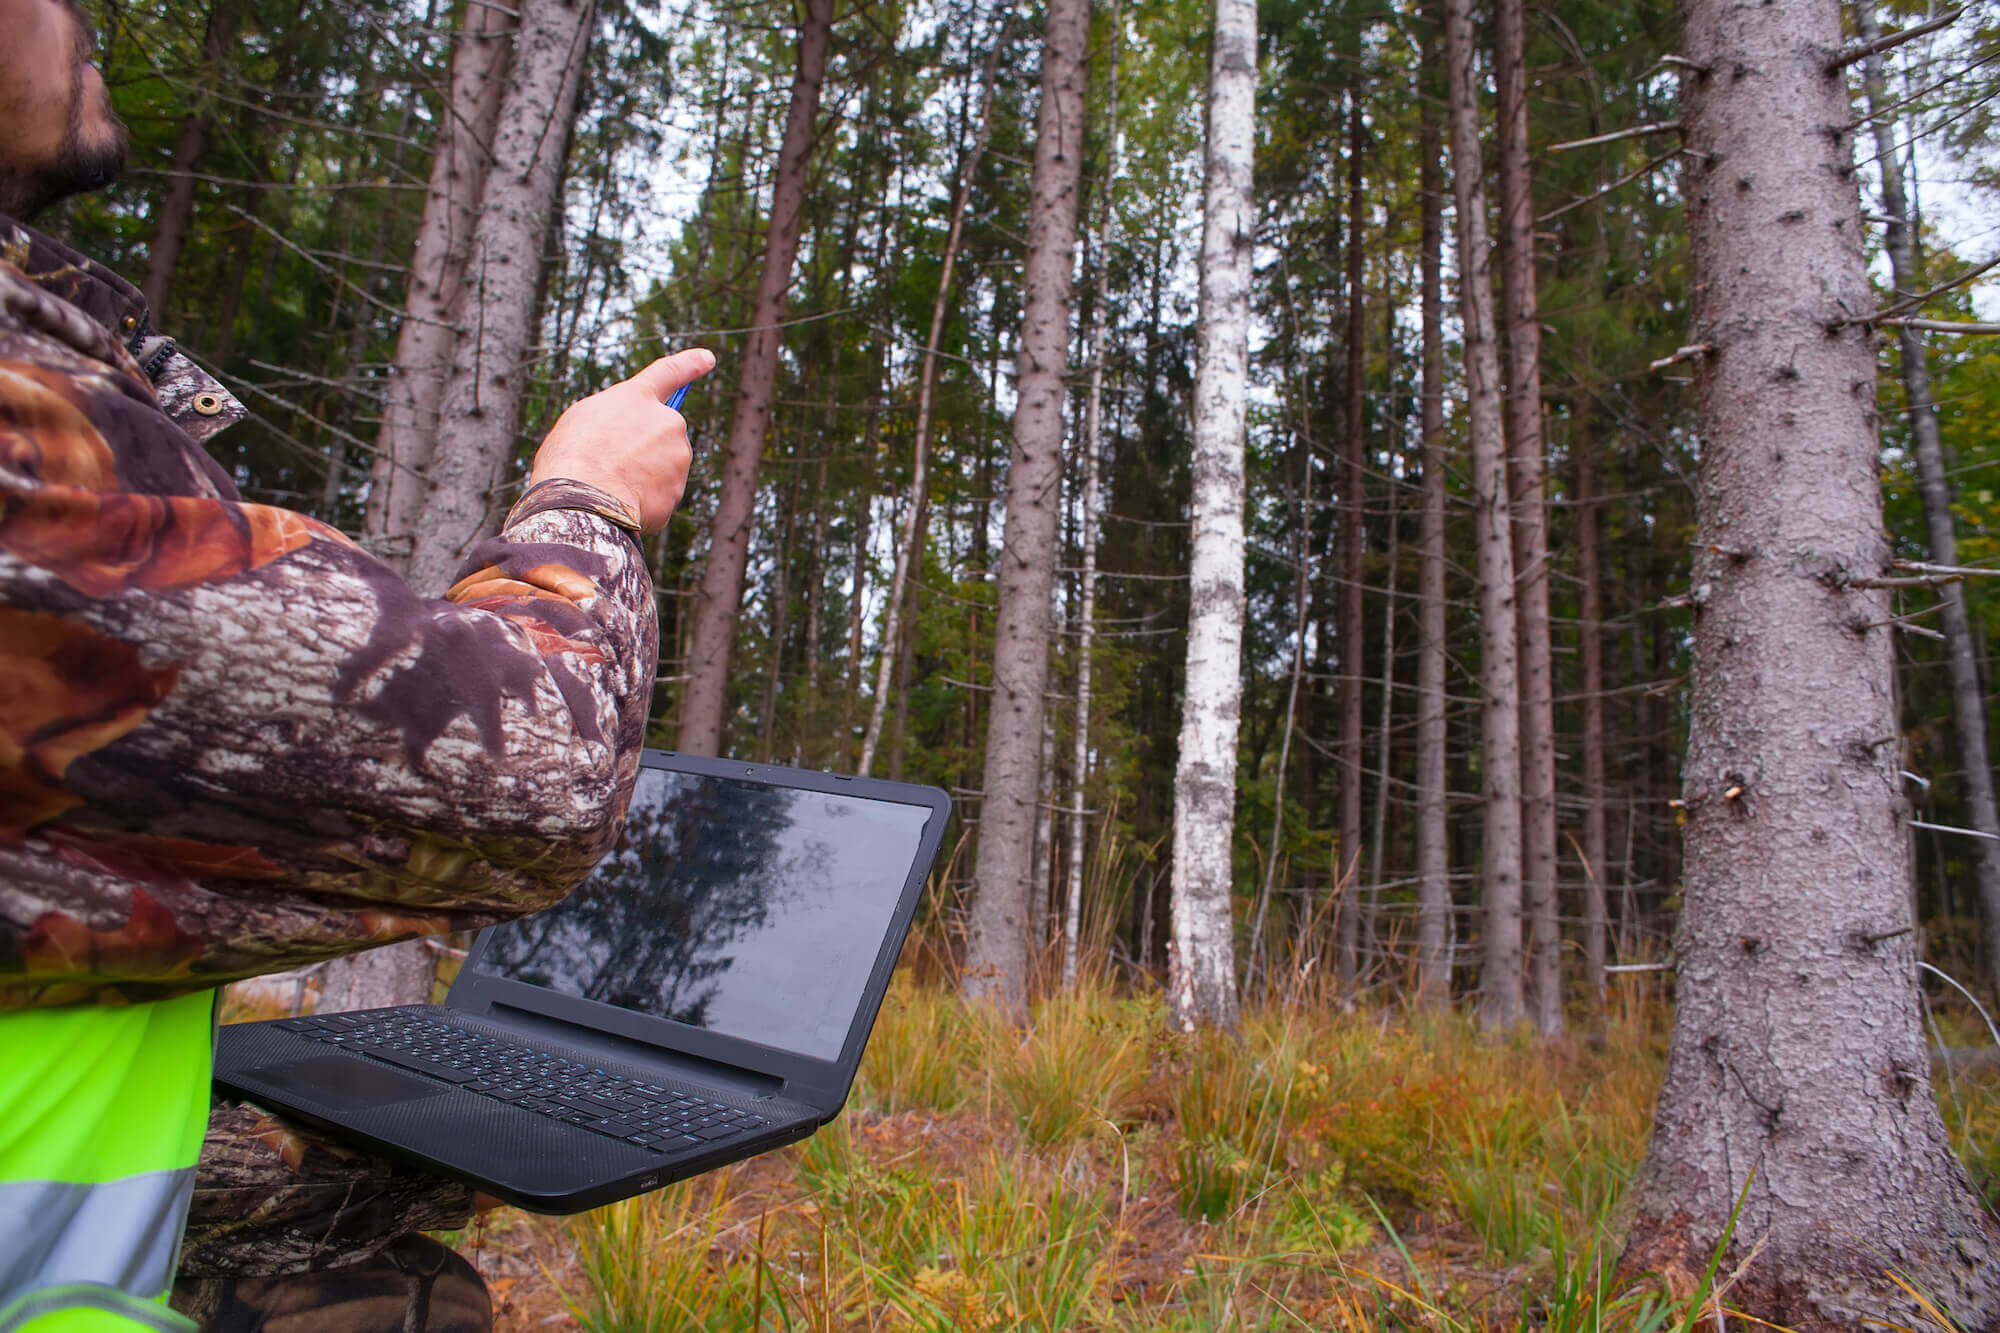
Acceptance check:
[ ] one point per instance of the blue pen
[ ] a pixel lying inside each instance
(679, 397)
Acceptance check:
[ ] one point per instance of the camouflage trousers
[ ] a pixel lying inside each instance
(292, 1228)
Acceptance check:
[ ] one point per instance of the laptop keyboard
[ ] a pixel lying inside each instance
(650, 1115)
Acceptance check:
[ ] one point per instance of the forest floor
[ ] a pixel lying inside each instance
(1330, 1170)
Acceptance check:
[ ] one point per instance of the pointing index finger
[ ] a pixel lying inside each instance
(668, 378)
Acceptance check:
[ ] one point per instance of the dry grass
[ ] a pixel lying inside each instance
(1102, 1172)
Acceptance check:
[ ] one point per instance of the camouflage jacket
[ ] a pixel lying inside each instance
(231, 741)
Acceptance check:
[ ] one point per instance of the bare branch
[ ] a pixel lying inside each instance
(1618, 184)
(1889, 41)
(1912, 303)
(1688, 353)
(1947, 571)
(1937, 325)
(1631, 132)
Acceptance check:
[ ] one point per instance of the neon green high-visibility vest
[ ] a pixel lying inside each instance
(102, 1110)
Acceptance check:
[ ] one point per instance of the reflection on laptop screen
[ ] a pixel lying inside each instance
(751, 910)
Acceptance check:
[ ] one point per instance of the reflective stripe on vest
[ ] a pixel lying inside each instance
(122, 1233)
(102, 1110)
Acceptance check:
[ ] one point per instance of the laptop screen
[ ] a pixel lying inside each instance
(753, 911)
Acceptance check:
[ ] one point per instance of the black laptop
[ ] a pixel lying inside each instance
(703, 997)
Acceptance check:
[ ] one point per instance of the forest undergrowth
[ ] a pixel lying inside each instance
(1329, 1169)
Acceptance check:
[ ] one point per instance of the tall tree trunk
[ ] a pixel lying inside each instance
(1590, 652)
(996, 965)
(1086, 618)
(1353, 538)
(721, 592)
(1522, 327)
(1797, 1106)
(480, 414)
(476, 433)
(435, 304)
(909, 552)
(1201, 984)
(1961, 648)
(1499, 686)
(176, 211)
(1433, 865)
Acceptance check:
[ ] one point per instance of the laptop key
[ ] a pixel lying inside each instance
(421, 1065)
(714, 1132)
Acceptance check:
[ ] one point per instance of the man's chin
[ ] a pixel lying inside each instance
(82, 168)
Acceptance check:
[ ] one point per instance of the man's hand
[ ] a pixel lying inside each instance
(627, 441)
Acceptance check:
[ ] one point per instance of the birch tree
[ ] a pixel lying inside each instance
(721, 593)
(1796, 1121)
(1201, 984)
(1500, 1004)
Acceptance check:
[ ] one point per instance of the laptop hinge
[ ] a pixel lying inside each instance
(609, 1046)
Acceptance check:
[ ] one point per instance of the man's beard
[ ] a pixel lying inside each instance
(79, 166)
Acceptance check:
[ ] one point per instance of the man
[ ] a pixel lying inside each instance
(231, 742)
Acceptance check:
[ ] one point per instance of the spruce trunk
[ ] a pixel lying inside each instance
(434, 305)
(1796, 1121)
(996, 962)
(1501, 1004)
(721, 594)
(1433, 865)
(1522, 324)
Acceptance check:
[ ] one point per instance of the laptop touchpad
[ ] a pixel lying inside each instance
(350, 1085)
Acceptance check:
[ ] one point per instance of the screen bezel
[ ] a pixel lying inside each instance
(821, 1083)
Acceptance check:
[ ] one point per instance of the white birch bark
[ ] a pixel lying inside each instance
(996, 958)
(1501, 1000)
(1201, 984)
(481, 410)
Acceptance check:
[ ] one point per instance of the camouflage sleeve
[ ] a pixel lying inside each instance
(232, 742)
(272, 1196)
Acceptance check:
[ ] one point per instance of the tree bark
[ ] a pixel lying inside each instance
(996, 963)
(1501, 1003)
(435, 304)
(1433, 865)
(1590, 652)
(1961, 647)
(1797, 1104)
(1529, 523)
(1201, 984)
(480, 414)
(1353, 539)
(909, 551)
(721, 593)
(1086, 619)
(176, 210)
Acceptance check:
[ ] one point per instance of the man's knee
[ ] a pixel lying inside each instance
(412, 1285)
